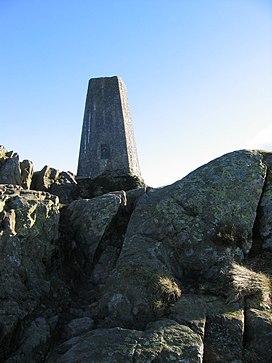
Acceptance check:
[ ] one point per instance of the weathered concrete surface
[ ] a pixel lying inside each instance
(107, 140)
(106, 183)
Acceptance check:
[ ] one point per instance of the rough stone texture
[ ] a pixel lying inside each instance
(186, 231)
(107, 141)
(60, 183)
(9, 168)
(27, 170)
(34, 337)
(162, 341)
(28, 227)
(78, 326)
(2, 152)
(265, 209)
(140, 276)
(258, 336)
(220, 325)
(91, 221)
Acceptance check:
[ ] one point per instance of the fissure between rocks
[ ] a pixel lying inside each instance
(257, 240)
(113, 236)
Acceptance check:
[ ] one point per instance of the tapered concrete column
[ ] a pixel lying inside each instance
(107, 140)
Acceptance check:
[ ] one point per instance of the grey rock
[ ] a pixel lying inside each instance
(139, 276)
(162, 341)
(62, 184)
(90, 221)
(258, 336)
(10, 171)
(27, 170)
(78, 326)
(190, 229)
(220, 325)
(34, 338)
(28, 229)
(265, 209)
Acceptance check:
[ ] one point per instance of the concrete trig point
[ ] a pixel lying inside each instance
(107, 146)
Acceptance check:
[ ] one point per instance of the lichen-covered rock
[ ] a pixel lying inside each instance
(220, 325)
(258, 339)
(190, 229)
(92, 222)
(175, 274)
(168, 341)
(163, 341)
(28, 229)
(60, 183)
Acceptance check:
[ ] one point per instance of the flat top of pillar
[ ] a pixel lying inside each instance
(112, 78)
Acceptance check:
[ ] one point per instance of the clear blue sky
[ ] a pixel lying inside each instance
(198, 73)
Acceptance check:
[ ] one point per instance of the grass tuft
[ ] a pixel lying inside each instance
(245, 282)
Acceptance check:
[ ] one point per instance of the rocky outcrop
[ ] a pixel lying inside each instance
(28, 230)
(264, 222)
(176, 274)
(163, 341)
(10, 172)
(96, 231)
(27, 170)
(60, 183)
(184, 234)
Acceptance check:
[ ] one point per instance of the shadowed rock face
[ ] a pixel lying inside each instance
(28, 231)
(143, 275)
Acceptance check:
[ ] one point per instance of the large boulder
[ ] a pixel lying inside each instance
(162, 341)
(184, 233)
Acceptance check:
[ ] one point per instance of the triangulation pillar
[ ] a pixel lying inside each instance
(107, 148)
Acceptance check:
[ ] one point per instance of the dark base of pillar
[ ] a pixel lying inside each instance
(105, 183)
